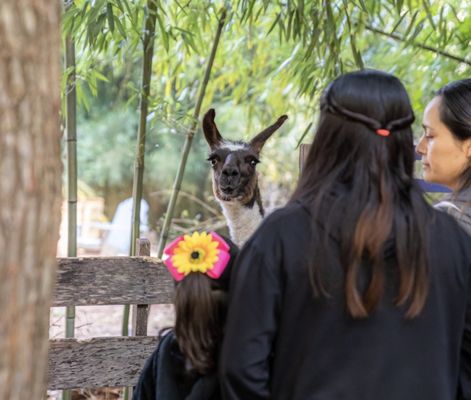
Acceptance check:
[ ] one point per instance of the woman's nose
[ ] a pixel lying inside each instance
(420, 148)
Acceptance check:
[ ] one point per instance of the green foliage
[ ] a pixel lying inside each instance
(275, 57)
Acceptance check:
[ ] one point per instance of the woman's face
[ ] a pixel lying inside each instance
(444, 157)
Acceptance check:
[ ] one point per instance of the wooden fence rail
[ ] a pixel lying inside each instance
(112, 280)
(98, 362)
(107, 361)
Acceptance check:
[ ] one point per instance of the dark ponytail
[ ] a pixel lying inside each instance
(200, 314)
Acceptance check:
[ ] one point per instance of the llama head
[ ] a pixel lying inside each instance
(234, 162)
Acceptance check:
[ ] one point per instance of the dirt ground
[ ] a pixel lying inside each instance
(99, 321)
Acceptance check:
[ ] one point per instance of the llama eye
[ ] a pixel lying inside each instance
(253, 162)
(213, 162)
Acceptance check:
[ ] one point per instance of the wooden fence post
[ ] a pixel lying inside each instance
(140, 312)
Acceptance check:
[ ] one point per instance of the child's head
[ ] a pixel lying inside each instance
(200, 263)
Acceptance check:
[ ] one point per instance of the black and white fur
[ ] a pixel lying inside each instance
(235, 179)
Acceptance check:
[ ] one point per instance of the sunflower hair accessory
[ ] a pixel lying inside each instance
(203, 252)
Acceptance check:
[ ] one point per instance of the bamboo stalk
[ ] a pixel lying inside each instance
(189, 139)
(71, 126)
(148, 45)
(420, 45)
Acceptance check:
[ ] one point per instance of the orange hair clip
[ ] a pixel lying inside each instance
(383, 132)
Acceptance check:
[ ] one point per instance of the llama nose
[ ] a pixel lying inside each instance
(230, 172)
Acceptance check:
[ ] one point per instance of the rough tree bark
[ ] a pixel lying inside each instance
(30, 189)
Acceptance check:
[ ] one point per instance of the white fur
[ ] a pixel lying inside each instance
(233, 146)
(242, 221)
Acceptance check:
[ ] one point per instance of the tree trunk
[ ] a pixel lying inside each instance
(30, 190)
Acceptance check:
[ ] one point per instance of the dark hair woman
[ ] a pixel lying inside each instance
(357, 289)
(445, 147)
(184, 366)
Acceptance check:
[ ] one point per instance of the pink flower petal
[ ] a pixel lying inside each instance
(220, 265)
(171, 247)
(222, 243)
(178, 276)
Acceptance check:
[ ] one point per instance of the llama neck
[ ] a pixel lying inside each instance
(243, 219)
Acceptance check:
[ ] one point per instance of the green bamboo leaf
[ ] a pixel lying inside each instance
(363, 6)
(417, 30)
(453, 9)
(443, 29)
(399, 21)
(84, 9)
(429, 14)
(304, 134)
(164, 33)
(310, 48)
(119, 4)
(189, 42)
(275, 22)
(120, 26)
(399, 4)
(285, 63)
(100, 76)
(94, 13)
(290, 21)
(126, 5)
(101, 43)
(301, 7)
(411, 23)
(373, 8)
(259, 12)
(281, 31)
(296, 25)
(110, 16)
(356, 54)
(249, 12)
(82, 97)
(182, 8)
(68, 22)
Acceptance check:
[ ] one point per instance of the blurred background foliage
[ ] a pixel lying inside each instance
(274, 57)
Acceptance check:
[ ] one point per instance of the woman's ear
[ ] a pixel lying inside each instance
(467, 148)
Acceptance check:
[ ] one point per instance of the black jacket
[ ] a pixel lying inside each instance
(281, 343)
(164, 377)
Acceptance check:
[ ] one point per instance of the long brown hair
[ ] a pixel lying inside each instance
(200, 308)
(379, 199)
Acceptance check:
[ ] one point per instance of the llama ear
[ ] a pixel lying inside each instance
(211, 133)
(258, 141)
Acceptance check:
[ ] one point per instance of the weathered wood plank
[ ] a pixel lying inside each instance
(112, 280)
(98, 362)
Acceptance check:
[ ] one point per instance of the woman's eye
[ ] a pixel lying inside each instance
(427, 134)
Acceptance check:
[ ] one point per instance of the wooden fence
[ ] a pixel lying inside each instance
(107, 361)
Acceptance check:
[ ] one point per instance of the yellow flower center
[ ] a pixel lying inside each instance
(197, 256)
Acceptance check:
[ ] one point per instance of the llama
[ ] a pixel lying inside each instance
(235, 179)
